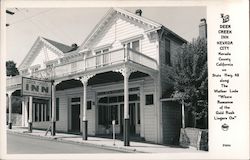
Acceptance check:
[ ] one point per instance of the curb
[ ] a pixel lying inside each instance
(58, 139)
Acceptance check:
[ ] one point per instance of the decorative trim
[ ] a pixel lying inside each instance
(103, 47)
(133, 38)
(125, 70)
(84, 79)
(56, 82)
(152, 30)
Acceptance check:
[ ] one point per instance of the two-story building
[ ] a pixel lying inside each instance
(118, 73)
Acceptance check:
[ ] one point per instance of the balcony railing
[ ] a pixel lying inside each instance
(90, 63)
(14, 81)
(104, 59)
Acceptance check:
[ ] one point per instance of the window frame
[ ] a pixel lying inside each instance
(153, 101)
(130, 42)
(167, 52)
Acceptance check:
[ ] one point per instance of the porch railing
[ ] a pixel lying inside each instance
(104, 59)
(142, 59)
(92, 62)
(14, 81)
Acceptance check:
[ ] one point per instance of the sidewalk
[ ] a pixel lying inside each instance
(138, 147)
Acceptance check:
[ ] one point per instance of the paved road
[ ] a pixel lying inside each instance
(18, 144)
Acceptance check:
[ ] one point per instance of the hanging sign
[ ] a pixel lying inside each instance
(37, 88)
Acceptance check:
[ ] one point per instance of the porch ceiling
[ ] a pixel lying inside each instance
(101, 78)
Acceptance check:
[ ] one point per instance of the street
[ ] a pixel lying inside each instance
(18, 144)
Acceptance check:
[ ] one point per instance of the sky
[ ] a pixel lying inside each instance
(72, 25)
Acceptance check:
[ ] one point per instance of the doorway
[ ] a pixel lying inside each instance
(75, 117)
(132, 118)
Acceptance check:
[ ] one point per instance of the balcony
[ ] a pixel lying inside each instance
(93, 63)
(99, 61)
(14, 82)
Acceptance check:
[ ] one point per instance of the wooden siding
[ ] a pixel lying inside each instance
(44, 54)
(120, 28)
(150, 126)
(63, 114)
(149, 111)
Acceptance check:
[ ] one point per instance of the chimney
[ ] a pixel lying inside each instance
(138, 12)
(203, 28)
(74, 46)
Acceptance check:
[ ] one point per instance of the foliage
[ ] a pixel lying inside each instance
(11, 69)
(190, 77)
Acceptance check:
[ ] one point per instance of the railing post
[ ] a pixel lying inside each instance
(126, 53)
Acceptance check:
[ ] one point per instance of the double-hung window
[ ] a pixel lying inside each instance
(102, 58)
(135, 47)
(167, 52)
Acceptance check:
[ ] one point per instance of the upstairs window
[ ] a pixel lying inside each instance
(103, 59)
(167, 52)
(135, 45)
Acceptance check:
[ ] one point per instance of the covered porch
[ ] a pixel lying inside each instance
(124, 66)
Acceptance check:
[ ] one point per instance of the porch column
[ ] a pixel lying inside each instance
(142, 100)
(26, 111)
(126, 110)
(30, 113)
(10, 110)
(53, 108)
(183, 113)
(84, 81)
(126, 71)
(23, 112)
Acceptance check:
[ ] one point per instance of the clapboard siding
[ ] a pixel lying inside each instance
(120, 28)
(63, 114)
(44, 54)
(149, 113)
(150, 123)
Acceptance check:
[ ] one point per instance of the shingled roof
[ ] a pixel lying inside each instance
(62, 47)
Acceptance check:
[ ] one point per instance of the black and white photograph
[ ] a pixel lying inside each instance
(114, 80)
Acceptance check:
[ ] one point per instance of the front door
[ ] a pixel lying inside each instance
(75, 117)
(132, 118)
(132, 121)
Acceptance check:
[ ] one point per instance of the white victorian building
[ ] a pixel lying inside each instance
(118, 73)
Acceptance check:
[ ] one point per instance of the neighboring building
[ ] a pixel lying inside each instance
(123, 62)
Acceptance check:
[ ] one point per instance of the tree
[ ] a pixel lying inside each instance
(11, 69)
(190, 77)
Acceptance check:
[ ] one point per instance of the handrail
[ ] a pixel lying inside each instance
(142, 54)
(104, 59)
(104, 53)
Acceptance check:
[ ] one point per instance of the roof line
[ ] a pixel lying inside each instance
(175, 34)
(96, 27)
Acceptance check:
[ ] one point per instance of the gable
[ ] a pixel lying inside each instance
(114, 25)
(118, 30)
(44, 54)
(40, 52)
